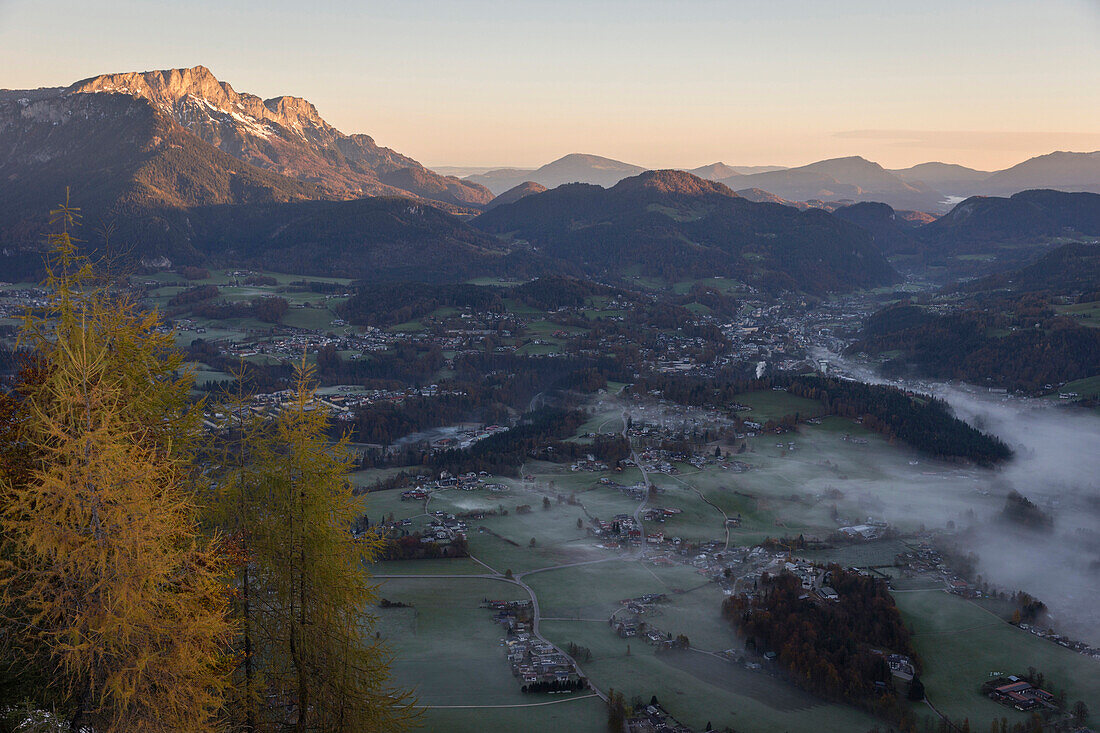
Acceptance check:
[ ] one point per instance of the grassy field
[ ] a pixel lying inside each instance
(448, 651)
(449, 566)
(793, 483)
(961, 644)
(698, 688)
(495, 282)
(861, 555)
(1084, 387)
(1087, 314)
(205, 375)
(772, 405)
(575, 713)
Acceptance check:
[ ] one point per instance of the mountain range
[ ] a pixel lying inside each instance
(573, 168)
(283, 135)
(931, 187)
(177, 167)
(676, 225)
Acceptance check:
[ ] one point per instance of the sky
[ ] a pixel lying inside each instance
(679, 83)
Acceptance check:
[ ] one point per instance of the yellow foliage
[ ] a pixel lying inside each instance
(304, 591)
(120, 589)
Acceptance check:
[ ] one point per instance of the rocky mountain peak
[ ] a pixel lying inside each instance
(195, 94)
(285, 135)
(165, 87)
(295, 112)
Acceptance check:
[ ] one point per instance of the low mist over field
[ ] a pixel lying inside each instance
(1055, 465)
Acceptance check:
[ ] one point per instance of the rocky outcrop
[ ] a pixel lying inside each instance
(283, 134)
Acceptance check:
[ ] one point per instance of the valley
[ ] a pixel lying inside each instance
(300, 433)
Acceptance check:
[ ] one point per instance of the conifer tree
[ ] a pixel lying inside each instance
(303, 590)
(106, 566)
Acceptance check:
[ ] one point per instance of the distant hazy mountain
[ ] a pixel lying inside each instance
(759, 195)
(573, 168)
(750, 169)
(285, 135)
(715, 171)
(674, 224)
(849, 179)
(512, 195)
(955, 180)
(1061, 171)
(1028, 216)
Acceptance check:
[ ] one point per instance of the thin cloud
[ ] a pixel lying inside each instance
(978, 139)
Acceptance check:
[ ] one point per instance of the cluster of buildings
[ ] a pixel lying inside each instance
(470, 481)
(635, 491)
(901, 666)
(532, 660)
(465, 438)
(1022, 695)
(926, 561)
(1063, 641)
(14, 302)
(659, 514)
(621, 530)
(589, 463)
(653, 718)
(342, 405)
(869, 530)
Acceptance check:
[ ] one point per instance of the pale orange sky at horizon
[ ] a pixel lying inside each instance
(983, 83)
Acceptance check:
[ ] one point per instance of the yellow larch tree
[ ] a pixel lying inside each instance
(116, 584)
(304, 591)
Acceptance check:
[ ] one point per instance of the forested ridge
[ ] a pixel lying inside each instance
(1022, 350)
(922, 422)
(674, 225)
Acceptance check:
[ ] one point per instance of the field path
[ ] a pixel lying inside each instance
(645, 478)
(535, 616)
(517, 705)
(725, 517)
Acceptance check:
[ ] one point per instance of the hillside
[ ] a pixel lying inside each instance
(1026, 217)
(378, 239)
(673, 224)
(761, 196)
(284, 134)
(951, 179)
(123, 162)
(892, 233)
(715, 171)
(1019, 351)
(515, 194)
(1067, 270)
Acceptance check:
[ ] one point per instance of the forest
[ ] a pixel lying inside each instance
(1024, 350)
(833, 649)
(920, 421)
(672, 226)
